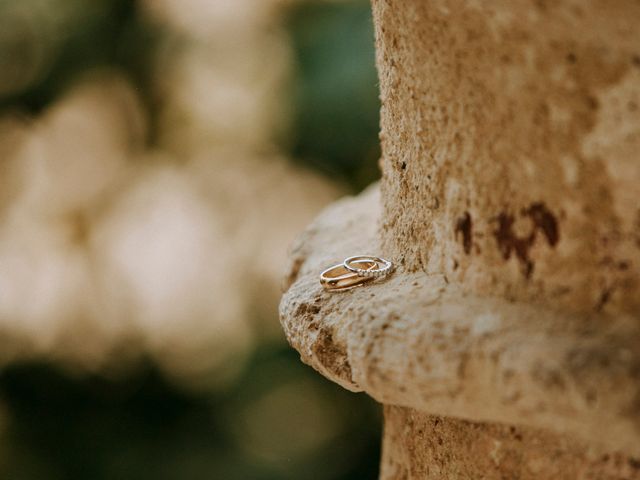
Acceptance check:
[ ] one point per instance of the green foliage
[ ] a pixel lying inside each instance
(46, 45)
(335, 125)
(141, 426)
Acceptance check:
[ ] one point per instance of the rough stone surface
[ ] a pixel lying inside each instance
(425, 447)
(510, 200)
(510, 137)
(420, 341)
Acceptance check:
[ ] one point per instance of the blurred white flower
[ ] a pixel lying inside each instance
(61, 167)
(215, 95)
(206, 18)
(43, 280)
(78, 150)
(180, 249)
(168, 267)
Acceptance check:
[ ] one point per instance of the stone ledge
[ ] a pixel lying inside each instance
(419, 341)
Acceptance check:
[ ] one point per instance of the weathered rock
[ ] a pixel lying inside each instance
(510, 135)
(510, 200)
(420, 341)
(427, 447)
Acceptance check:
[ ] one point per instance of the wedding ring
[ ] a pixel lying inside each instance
(339, 278)
(383, 266)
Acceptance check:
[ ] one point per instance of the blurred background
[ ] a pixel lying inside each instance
(157, 158)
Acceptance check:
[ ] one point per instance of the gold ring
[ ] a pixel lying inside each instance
(339, 279)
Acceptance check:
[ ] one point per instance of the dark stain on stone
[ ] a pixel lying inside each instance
(403, 165)
(545, 221)
(464, 228)
(634, 463)
(515, 433)
(509, 243)
(306, 309)
(331, 355)
(571, 58)
(605, 296)
(635, 60)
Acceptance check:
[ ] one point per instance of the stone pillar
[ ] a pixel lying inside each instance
(511, 138)
(507, 343)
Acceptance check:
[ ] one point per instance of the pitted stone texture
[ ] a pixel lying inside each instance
(344, 231)
(420, 341)
(510, 136)
(511, 202)
(424, 447)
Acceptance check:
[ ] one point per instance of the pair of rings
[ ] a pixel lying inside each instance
(354, 272)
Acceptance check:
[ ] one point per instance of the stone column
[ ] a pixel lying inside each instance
(507, 343)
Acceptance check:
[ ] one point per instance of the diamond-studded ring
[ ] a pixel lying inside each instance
(383, 266)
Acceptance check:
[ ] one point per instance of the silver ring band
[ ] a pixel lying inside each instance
(383, 266)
